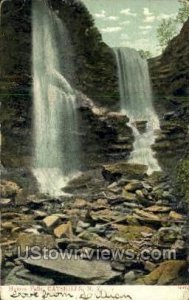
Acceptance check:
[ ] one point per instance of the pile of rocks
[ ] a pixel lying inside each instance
(123, 227)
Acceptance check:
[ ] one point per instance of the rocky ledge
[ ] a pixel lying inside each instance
(169, 71)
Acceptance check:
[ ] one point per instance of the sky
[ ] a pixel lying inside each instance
(131, 23)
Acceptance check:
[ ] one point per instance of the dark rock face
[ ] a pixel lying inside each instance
(104, 135)
(170, 77)
(169, 72)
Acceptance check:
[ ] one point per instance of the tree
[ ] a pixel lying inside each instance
(166, 31)
(183, 12)
(168, 28)
(145, 54)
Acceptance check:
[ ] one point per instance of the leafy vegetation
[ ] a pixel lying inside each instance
(168, 28)
(145, 54)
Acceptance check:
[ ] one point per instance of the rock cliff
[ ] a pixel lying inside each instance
(170, 71)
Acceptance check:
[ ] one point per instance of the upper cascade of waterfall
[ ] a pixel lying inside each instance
(136, 100)
(56, 156)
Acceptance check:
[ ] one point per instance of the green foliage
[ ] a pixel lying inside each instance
(145, 54)
(168, 28)
(166, 31)
(183, 13)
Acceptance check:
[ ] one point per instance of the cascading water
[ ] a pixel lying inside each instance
(55, 118)
(137, 103)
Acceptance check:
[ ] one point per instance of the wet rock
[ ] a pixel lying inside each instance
(114, 172)
(64, 230)
(78, 270)
(141, 126)
(166, 273)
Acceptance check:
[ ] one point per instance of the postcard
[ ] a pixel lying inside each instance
(94, 149)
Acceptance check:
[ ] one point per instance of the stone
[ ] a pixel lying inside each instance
(83, 224)
(149, 266)
(129, 196)
(80, 203)
(114, 172)
(140, 194)
(175, 216)
(8, 189)
(179, 245)
(78, 270)
(39, 214)
(5, 202)
(21, 276)
(51, 221)
(20, 198)
(117, 266)
(7, 225)
(141, 126)
(64, 230)
(158, 209)
(166, 273)
(148, 216)
(32, 230)
(27, 241)
(129, 277)
(106, 215)
(129, 232)
(133, 186)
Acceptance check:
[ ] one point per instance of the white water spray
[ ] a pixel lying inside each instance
(55, 118)
(137, 103)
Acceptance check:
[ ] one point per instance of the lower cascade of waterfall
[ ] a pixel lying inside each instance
(137, 102)
(56, 157)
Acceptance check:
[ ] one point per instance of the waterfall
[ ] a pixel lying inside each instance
(137, 102)
(56, 145)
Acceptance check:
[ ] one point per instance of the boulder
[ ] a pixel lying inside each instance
(175, 216)
(113, 172)
(166, 273)
(51, 221)
(80, 203)
(64, 230)
(21, 276)
(158, 209)
(9, 189)
(27, 241)
(78, 270)
(129, 196)
(134, 185)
